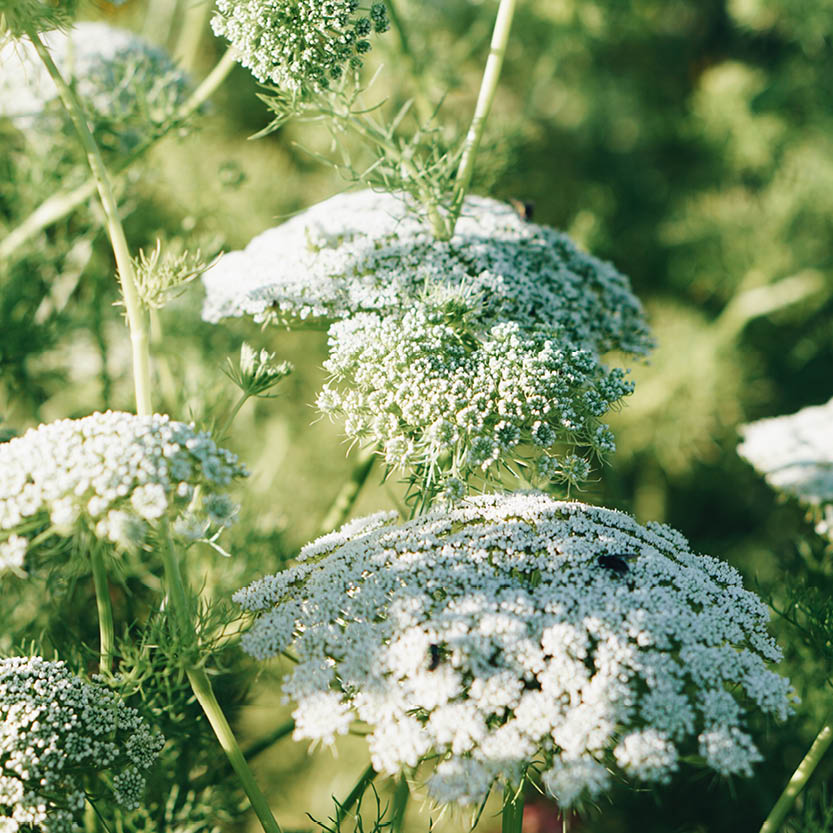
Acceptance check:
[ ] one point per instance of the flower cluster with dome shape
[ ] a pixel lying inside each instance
(513, 628)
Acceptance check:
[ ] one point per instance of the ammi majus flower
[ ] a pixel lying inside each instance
(517, 629)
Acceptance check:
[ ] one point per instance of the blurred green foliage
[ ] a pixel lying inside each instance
(688, 141)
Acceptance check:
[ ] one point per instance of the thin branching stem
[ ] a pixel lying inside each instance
(355, 794)
(65, 202)
(488, 88)
(136, 315)
(203, 691)
(799, 779)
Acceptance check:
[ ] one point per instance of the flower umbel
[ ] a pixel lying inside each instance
(56, 732)
(115, 473)
(496, 633)
(300, 45)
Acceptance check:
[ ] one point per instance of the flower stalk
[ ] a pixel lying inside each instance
(105, 609)
(203, 691)
(513, 809)
(799, 778)
(488, 88)
(136, 317)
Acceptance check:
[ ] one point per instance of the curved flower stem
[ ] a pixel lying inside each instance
(53, 209)
(349, 492)
(355, 794)
(512, 815)
(201, 686)
(488, 87)
(799, 778)
(136, 317)
(242, 400)
(106, 631)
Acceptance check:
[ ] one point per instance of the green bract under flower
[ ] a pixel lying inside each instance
(300, 45)
(113, 474)
(517, 628)
(58, 736)
(795, 455)
(20, 17)
(127, 86)
(451, 402)
(364, 252)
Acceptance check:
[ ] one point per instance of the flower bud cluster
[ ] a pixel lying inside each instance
(56, 731)
(299, 45)
(515, 628)
(124, 83)
(454, 403)
(795, 455)
(116, 473)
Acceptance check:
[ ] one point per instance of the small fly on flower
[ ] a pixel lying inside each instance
(524, 208)
(616, 562)
(434, 651)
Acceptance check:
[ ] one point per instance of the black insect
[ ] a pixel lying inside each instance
(525, 208)
(616, 562)
(434, 651)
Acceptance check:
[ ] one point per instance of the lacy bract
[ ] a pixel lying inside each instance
(512, 629)
(795, 455)
(452, 357)
(299, 45)
(114, 475)
(59, 736)
(364, 252)
(125, 84)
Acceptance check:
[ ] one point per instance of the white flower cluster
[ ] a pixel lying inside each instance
(55, 732)
(453, 406)
(795, 455)
(364, 252)
(122, 80)
(298, 44)
(116, 473)
(516, 628)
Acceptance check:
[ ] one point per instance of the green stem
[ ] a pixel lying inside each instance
(488, 87)
(194, 22)
(799, 779)
(513, 810)
(201, 686)
(136, 318)
(106, 631)
(53, 209)
(349, 492)
(355, 794)
(400, 804)
(244, 397)
(261, 745)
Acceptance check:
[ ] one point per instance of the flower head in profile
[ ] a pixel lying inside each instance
(299, 45)
(517, 628)
(127, 86)
(795, 455)
(58, 734)
(116, 475)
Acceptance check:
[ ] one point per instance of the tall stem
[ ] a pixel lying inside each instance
(513, 810)
(488, 87)
(349, 492)
(136, 318)
(799, 779)
(201, 686)
(53, 209)
(106, 631)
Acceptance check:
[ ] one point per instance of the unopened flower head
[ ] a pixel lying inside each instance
(123, 82)
(57, 733)
(299, 45)
(795, 455)
(364, 252)
(115, 473)
(516, 628)
(450, 402)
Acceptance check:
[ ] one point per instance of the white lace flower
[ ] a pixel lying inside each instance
(795, 455)
(116, 472)
(299, 45)
(121, 79)
(56, 732)
(555, 631)
(364, 252)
